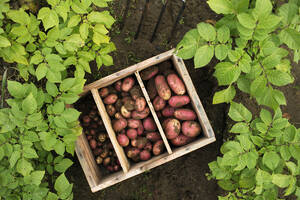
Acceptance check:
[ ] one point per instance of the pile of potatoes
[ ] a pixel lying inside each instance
(171, 103)
(132, 122)
(97, 137)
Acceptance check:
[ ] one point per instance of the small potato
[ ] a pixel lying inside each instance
(130, 104)
(127, 84)
(162, 87)
(134, 123)
(123, 140)
(149, 73)
(191, 128)
(151, 89)
(103, 92)
(99, 160)
(118, 105)
(89, 137)
(92, 132)
(179, 101)
(159, 103)
(168, 111)
(111, 110)
(106, 161)
(102, 137)
(181, 140)
(153, 136)
(125, 94)
(125, 99)
(145, 155)
(140, 130)
(110, 99)
(93, 144)
(131, 133)
(110, 168)
(119, 124)
(97, 151)
(158, 147)
(140, 142)
(125, 113)
(185, 114)
(149, 124)
(86, 119)
(116, 168)
(176, 84)
(140, 104)
(118, 115)
(136, 92)
(133, 152)
(118, 85)
(172, 128)
(141, 115)
(148, 146)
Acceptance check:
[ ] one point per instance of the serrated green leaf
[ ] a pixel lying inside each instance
(295, 151)
(67, 84)
(70, 115)
(99, 38)
(224, 96)
(240, 127)
(84, 30)
(290, 37)
(281, 180)
(41, 71)
(29, 152)
(61, 183)
(36, 177)
(258, 86)
(223, 34)
(16, 89)
(107, 60)
(60, 122)
(271, 160)
(4, 42)
(63, 165)
(221, 6)
(52, 196)
(226, 73)
(51, 89)
(74, 21)
(187, 47)
(266, 117)
(59, 148)
(24, 167)
(48, 17)
(53, 76)
(279, 78)
(100, 3)
(203, 56)
(246, 20)
(14, 158)
(206, 31)
(262, 8)
(221, 51)
(19, 16)
(58, 107)
(288, 11)
(101, 17)
(285, 153)
(29, 104)
(269, 22)
(238, 112)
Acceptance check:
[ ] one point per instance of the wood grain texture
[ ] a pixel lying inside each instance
(110, 131)
(158, 124)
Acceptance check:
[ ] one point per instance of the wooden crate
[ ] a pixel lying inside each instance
(84, 153)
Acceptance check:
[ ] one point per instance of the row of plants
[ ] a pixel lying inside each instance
(252, 42)
(51, 50)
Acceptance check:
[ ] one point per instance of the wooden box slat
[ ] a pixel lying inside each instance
(84, 153)
(158, 124)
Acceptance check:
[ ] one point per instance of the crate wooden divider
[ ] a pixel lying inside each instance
(84, 153)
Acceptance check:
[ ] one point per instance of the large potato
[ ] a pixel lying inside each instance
(181, 140)
(140, 115)
(149, 124)
(134, 123)
(179, 101)
(140, 104)
(127, 84)
(110, 99)
(172, 128)
(176, 84)
(168, 111)
(159, 103)
(191, 128)
(162, 87)
(136, 92)
(149, 73)
(120, 124)
(185, 114)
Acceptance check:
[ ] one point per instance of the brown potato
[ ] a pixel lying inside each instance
(181, 140)
(162, 87)
(158, 147)
(148, 73)
(136, 92)
(111, 110)
(103, 92)
(134, 123)
(151, 89)
(125, 113)
(118, 85)
(119, 124)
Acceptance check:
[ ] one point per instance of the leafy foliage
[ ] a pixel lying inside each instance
(261, 161)
(38, 128)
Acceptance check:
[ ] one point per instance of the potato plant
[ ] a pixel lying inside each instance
(51, 50)
(252, 43)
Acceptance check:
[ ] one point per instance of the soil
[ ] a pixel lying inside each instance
(184, 178)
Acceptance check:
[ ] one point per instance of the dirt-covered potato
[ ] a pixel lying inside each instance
(110, 99)
(185, 114)
(176, 84)
(159, 103)
(149, 124)
(172, 128)
(127, 84)
(140, 104)
(162, 87)
(119, 124)
(140, 115)
(149, 73)
(158, 147)
(191, 128)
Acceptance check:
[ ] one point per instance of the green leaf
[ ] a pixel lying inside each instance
(53, 3)
(14, 158)
(258, 86)
(221, 6)
(285, 153)
(263, 8)
(279, 78)
(53, 76)
(107, 60)
(100, 3)
(245, 142)
(203, 56)
(238, 112)
(223, 34)
(36, 177)
(101, 17)
(78, 7)
(51, 89)
(19, 16)
(67, 84)
(271, 160)
(63, 165)
(288, 12)
(251, 159)
(295, 151)
(59, 148)
(281, 180)
(206, 31)
(29, 152)
(240, 127)
(221, 51)
(70, 115)
(16, 89)
(29, 104)
(224, 96)
(100, 28)
(24, 167)
(4, 42)
(246, 20)
(266, 117)
(99, 38)
(187, 47)
(61, 183)
(226, 73)
(41, 71)
(74, 21)
(269, 22)
(84, 30)
(52, 196)
(60, 122)
(48, 17)
(292, 167)
(290, 37)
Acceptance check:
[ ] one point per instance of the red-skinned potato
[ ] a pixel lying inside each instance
(116, 168)
(159, 115)
(93, 144)
(149, 124)
(176, 84)
(172, 128)
(159, 103)
(127, 84)
(153, 136)
(181, 140)
(134, 123)
(125, 99)
(140, 104)
(149, 73)
(110, 99)
(118, 85)
(89, 137)
(92, 132)
(123, 140)
(110, 168)
(86, 119)
(185, 114)
(133, 152)
(151, 89)
(140, 115)
(125, 94)
(103, 92)
(119, 124)
(129, 104)
(158, 147)
(125, 113)
(179, 101)
(111, 110)
(140, 130)
(191, 128)
(118, 104)
(131, 133)
(118, 115)
(145, 155)
(140, 142)
(148, 146)
(136, 92)
(162, 87)
(168, 111)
